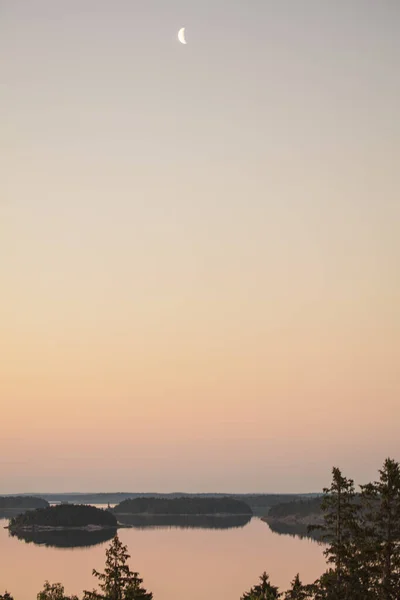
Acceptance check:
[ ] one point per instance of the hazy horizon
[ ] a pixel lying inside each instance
(183, 492)
(199, 244)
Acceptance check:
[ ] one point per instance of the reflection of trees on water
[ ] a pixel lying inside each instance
(294, 530)
(79, 538)
(67, 538)
(184, 521)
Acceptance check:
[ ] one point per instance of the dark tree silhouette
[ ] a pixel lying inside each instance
(118, 582)
(381, 531)
(297, 591)
(54, 591)
(263, 591)
(339, 531)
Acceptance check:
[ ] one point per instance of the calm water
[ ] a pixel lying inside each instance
(176, 563)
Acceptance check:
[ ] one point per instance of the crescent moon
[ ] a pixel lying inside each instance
(181, 36)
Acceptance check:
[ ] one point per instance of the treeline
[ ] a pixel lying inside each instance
(258, 502)
(23, 502)
(299, 508)
(183, 506)
(140, 521)
(64, 515)
(263, 500)
(93, 498)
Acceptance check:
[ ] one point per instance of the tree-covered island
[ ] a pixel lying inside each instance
(183, 506)
(64, 516)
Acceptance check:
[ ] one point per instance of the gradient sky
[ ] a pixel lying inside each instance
(199, 244)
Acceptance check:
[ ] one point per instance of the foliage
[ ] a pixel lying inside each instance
(183, 506)
(118, 582)
(381, 532)
(23, 502)
(54, 591)
(263, 591)
(262, 503)
(65, 515)
(324, 588)
(297, 591)
(298, 508)
(340, 531)
(6, 596)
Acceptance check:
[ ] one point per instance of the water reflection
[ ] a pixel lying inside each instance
(184, 521)
(76, 538)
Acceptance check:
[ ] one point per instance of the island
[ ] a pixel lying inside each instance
(155, 521)
(183, 505)
(62, 517)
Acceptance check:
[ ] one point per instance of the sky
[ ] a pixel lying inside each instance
(199, 244)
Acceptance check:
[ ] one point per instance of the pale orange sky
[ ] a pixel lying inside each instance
(200, 245)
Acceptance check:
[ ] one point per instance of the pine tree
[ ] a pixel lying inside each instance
(118, 582)
(339, 531)
(262, 591)
(54, 591)
(297, 591)
(6, 596)
(135, 591)
(325, 586)
(381, 529)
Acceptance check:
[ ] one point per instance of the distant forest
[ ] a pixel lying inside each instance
(298, 508)
(259, 503)
(25, 502)
(64, 515)
(183, 506)
(267, 500)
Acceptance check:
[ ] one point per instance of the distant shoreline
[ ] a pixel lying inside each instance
(155, 515)
(313, 519)
(31, 528)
